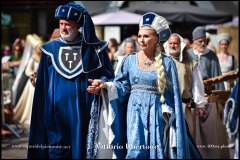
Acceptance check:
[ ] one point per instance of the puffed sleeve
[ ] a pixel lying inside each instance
(120, 87)
(30, 67)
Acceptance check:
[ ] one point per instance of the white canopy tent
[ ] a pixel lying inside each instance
(116, 18)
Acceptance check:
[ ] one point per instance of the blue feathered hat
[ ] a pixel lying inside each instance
(158, 23)
(76, 12)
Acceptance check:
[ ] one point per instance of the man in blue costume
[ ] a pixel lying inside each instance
(62, 107)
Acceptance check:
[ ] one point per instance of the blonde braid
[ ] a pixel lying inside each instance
(161, 78)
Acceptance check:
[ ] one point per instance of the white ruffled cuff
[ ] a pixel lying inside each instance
(112, 91)
(169, 117)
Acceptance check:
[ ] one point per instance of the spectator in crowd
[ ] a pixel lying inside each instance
(5, 58)
(23, 108)
(188, 43)
(207, 59)
(112, 49)
(210, 45)
(190, 79)
(211, 122)
(227, 60)
(15, 60)
(127, 47)
(33, 76)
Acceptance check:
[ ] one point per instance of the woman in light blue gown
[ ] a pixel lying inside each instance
(145, 98)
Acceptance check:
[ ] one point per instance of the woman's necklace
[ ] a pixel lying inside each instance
(148, 63)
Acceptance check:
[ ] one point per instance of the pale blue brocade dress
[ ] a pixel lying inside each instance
(145, 122)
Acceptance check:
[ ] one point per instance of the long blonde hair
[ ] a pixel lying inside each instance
(161, 77)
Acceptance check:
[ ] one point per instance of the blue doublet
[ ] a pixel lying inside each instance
(61, 105)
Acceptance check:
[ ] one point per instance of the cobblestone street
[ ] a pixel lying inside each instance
(13, 147)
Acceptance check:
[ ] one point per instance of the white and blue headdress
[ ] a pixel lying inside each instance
(158, 23)
(75, 12)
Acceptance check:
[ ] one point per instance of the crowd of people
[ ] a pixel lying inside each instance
(144, 98)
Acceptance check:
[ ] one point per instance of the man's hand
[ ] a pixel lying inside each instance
(200, 112)
(96, 85)
(33, 78)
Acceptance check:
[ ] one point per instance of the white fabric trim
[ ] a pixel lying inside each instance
(236, 149)
(159, 23)
(27, 53)
(119, 63)
(166, 111)
(182, 45)
(112, 91)
(55, 66)
(5, 59)
(69, 12)
(198, 88)
(84, 16)
(60, 59)
(79, 17)
(100, 64)
(94, 68)
(100, 49)
(82, 70)
(106, 135)
(172, 138)
(60, 39)
(59, 10)
(229, 117)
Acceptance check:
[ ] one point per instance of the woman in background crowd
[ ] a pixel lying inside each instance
(128, 46)
(227, 60)
(23, 108)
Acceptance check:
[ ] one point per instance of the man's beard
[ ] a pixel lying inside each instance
(175, 52)
(71, 36)
(201, 48)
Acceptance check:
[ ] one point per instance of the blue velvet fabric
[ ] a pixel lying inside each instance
(231, 118)
(61, 105)
(231, 111)
(139, 101)
(68, 12)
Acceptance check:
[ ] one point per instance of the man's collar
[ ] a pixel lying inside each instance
(199, 55)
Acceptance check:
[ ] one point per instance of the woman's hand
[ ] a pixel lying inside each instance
(96, 85)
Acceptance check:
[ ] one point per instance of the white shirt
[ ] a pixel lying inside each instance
(198, 88)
